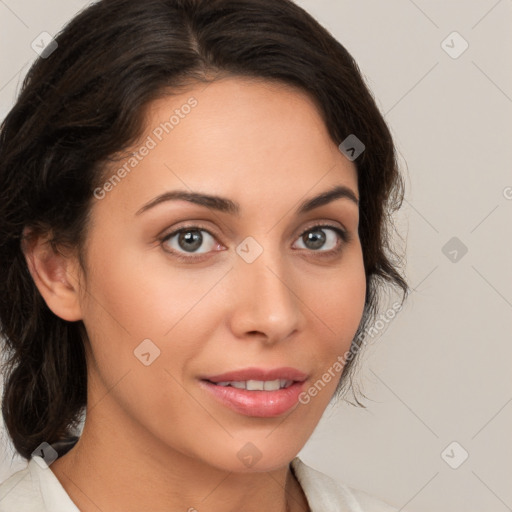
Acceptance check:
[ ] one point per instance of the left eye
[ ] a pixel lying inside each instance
(315, 238)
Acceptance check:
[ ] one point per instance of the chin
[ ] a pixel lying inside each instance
(263, 452)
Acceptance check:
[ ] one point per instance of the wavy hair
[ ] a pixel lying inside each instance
(86, 101)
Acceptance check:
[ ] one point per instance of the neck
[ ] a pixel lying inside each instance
(111, 472)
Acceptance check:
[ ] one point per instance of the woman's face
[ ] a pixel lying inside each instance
(252, 287)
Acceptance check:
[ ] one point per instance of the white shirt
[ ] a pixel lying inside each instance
(37, 489)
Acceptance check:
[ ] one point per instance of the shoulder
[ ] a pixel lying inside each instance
(34, 489)
(324, 494)
(19, 493)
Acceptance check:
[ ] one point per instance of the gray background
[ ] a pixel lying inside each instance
(440, 372)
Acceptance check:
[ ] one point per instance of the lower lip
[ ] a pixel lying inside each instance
(261, 404)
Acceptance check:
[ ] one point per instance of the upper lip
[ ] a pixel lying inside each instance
(245, 374)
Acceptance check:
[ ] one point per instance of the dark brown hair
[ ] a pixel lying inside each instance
(85, 102)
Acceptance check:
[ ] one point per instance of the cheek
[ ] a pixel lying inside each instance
(338, 312)
(342, 303)
(132, 298)
(126, 305)
(143, 293)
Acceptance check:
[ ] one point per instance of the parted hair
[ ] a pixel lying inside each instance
(86, 101)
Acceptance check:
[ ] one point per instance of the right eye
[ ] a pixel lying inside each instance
(188, 240)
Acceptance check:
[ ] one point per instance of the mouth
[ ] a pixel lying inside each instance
(257, 385)
(257, 392)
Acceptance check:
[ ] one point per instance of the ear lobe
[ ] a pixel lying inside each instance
(55, 275)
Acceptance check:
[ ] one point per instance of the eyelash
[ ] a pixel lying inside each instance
(342, 234)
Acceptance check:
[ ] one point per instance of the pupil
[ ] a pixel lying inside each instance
(193, 240)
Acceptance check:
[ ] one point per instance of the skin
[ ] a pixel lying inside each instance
(265, 146)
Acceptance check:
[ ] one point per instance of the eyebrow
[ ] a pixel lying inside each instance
(225, 205)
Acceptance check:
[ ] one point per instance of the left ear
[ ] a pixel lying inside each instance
(55, 275)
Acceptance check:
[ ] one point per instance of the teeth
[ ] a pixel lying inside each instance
(272, 385)
(258, 385)
(254, 385)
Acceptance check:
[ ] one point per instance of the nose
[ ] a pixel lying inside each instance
(264, 300)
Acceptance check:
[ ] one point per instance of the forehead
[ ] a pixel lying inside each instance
(250, 139)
